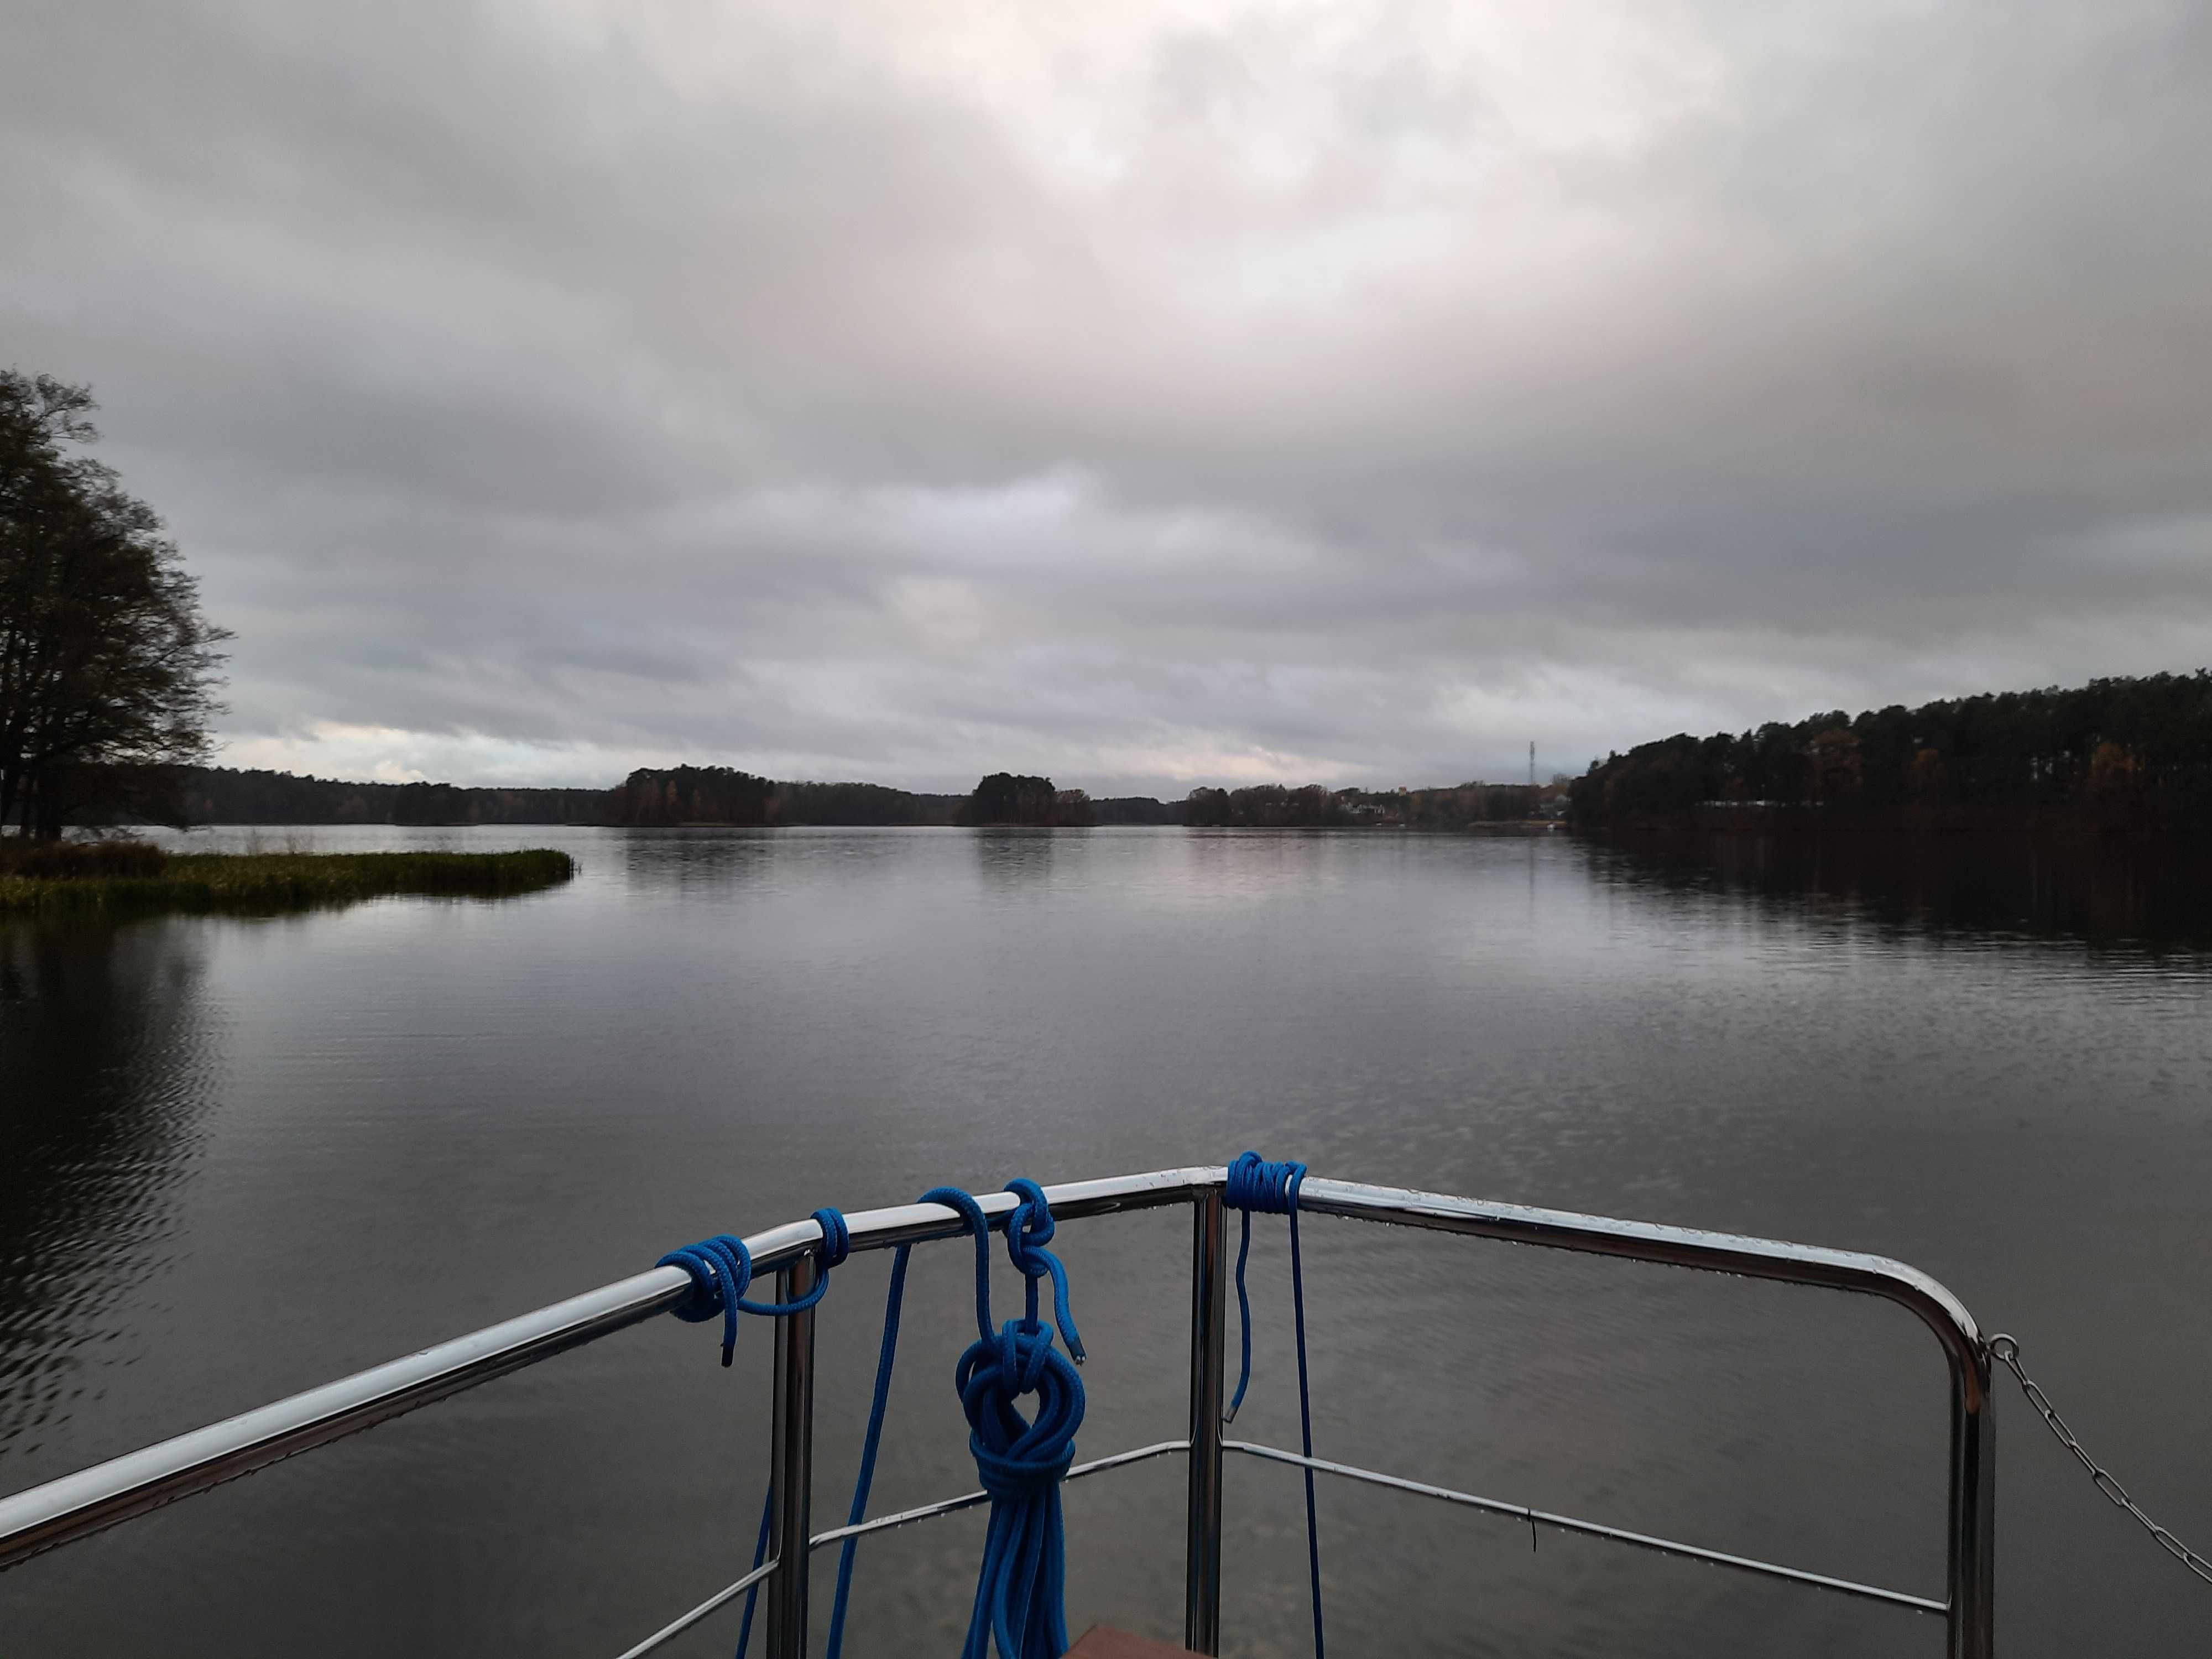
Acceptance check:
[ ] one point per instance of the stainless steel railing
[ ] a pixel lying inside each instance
(78, 1504)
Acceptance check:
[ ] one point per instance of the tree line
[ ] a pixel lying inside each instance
(224, 794)
(650, 797)
(723, 795)
(668, 796)
(1274, 806)
(1013, 798)
(2118, 750)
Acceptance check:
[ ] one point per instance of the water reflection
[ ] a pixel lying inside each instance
(103, 1030)
(433, 1116)
(696, 863)
(1009, 857)
(2150, 896)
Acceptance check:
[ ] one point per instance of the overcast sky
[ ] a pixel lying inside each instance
(1146, 395)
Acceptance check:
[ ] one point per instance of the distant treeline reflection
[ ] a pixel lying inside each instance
(2153, 894)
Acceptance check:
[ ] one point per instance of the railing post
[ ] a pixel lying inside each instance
(1971, 1575)
(792, 1464)
(1208, 1341)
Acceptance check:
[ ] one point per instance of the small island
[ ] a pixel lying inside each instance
(135, 877)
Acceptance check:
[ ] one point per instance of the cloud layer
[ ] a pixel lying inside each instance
(1147, 395)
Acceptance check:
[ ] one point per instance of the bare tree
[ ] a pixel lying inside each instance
(106, 665)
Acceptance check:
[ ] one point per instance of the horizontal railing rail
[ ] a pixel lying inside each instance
(1642, 1540)
(106, 1494)
(967, 1500)
(85, 1502)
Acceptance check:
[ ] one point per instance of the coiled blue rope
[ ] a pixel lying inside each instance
(721, 1270)
(1021, 1590)
(1255, 1184)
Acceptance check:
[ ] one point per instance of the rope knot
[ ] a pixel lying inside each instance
(721, 1269)
(1029, 1230)
(1021, 1591)
(1019, 1596)
(1020, 1479)
(1019, 1457)
(1255, 1184)
(836, 1238)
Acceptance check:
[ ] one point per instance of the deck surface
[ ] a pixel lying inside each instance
(1100, 1642)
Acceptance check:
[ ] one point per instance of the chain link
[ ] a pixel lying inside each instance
(2006, 1351)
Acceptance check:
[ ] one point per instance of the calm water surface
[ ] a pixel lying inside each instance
(240, 1157)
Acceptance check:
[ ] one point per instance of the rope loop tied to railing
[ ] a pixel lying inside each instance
(1254, 1183)
(1029, 1230)
(721, 1270)
(1021, 1590)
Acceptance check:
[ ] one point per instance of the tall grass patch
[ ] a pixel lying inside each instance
(136, 876)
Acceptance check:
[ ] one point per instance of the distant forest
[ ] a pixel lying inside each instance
(675, 795)
(224, 794)
(1271, 806)
(672, 796)
(2118, 753)
(720, 794)
(649, 797)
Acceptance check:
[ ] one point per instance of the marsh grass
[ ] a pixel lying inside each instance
(136, 876)
(76, 860)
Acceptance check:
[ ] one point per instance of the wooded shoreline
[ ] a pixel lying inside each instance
(2129, 756)
(699, 796)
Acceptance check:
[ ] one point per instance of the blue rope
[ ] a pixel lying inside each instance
(1029, 1230)
(886, 1356)
(721, 1270)
(1255, 1184)
(1021, 1589)
(760, 1554)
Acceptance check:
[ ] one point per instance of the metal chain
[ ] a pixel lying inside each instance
(2006, 1351)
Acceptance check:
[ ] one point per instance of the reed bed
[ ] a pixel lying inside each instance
(122, 877)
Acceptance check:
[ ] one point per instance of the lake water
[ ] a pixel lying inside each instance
(238, 1157)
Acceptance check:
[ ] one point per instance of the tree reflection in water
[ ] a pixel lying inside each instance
(104, 1035)
(2148, 896)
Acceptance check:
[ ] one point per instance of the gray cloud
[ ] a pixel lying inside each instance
(1236, 391)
